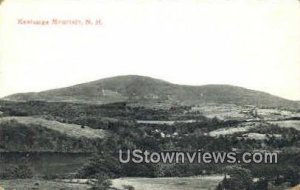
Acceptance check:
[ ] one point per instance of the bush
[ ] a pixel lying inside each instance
(102, 183)
(17, 172)
(128, 187)
(240, 179)
(102, 164)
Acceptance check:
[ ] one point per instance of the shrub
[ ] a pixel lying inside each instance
(102, 183)
(240, 179)
(17, 172)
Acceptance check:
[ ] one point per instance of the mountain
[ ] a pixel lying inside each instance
(140, 89)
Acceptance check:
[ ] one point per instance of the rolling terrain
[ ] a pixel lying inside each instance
(34, 134)
(75, 132)
(140, 89)
(71, 130)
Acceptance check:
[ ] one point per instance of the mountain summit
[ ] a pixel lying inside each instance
(140, 89)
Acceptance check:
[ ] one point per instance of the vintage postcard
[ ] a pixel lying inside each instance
(150, 94)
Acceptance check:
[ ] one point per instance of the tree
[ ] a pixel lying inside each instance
(102, 183)
(102, 164)
(239, 179)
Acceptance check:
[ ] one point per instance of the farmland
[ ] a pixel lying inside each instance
(50, 144)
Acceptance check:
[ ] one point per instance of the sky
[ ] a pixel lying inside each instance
(249, 43)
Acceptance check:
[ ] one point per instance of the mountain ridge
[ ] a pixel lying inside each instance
(135, 88)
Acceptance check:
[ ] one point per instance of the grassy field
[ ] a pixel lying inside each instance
(71, 130)
(292, 123)
(243, 127)
(170, 183)
(26, 184)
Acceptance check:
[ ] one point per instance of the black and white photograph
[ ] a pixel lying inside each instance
(150, 94)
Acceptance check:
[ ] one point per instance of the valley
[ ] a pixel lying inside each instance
(73, 133)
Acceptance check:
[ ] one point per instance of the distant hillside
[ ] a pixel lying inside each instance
(140, 89)
(31, 134)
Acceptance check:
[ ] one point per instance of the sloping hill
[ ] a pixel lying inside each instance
(32, 134)
(71, 130)
(145, 89)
